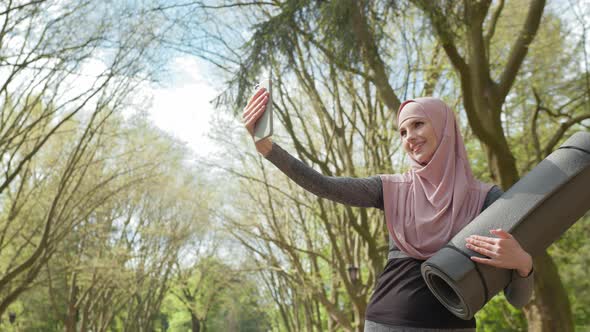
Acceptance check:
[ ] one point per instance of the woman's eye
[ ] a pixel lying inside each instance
(418, 124)
(403, 133)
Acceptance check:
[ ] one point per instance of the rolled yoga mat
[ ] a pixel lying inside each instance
(537, 210)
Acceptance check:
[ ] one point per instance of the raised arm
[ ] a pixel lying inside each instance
(363, 192)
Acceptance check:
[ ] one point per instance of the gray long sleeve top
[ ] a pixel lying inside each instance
(368, 192)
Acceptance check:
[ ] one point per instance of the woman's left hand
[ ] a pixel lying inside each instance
(503, 251)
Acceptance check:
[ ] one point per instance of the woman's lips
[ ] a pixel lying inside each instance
(417, 147)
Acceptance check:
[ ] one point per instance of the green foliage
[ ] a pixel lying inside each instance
(220, 296)
(113, 260)
(499, 315)
(240, 309)
(572, 255)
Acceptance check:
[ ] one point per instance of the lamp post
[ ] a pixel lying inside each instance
(12, 318)
(353, 273)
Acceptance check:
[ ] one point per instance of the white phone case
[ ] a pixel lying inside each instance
(263, 127)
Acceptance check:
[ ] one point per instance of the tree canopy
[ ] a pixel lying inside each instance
(107, 223)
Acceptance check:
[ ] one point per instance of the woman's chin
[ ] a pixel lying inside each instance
(421, 159)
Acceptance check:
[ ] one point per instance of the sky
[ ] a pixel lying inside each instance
(182, 105)
(179, 104)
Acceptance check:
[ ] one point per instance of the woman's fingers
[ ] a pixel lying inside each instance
(502, 251)
(257, 109)
(260, 109)
(486, 261)
(256, 94)
(486, 239)
(483, 249)
(255, 114)
(484, 243)
(501, 233)
(255, 101)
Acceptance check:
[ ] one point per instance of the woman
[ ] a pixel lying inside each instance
(424, 208)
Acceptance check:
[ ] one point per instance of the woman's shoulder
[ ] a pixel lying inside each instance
(494, 193)
(478, 185)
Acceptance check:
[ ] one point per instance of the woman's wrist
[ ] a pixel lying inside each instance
(524, 270)
(264, 146)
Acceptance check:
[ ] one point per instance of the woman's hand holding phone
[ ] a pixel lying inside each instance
(254, 111)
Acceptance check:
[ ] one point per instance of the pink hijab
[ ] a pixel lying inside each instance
(426, 206)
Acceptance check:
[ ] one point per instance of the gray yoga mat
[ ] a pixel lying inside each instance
(537, 210)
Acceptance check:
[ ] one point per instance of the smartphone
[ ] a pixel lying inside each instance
(263, 127)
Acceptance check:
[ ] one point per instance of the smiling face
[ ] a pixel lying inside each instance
(418, 139)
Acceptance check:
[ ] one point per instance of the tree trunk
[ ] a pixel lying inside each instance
(360, 307)
(70, 319)
(195, 323)
(550, 308)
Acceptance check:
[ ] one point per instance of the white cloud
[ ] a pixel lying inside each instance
(182, 107)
